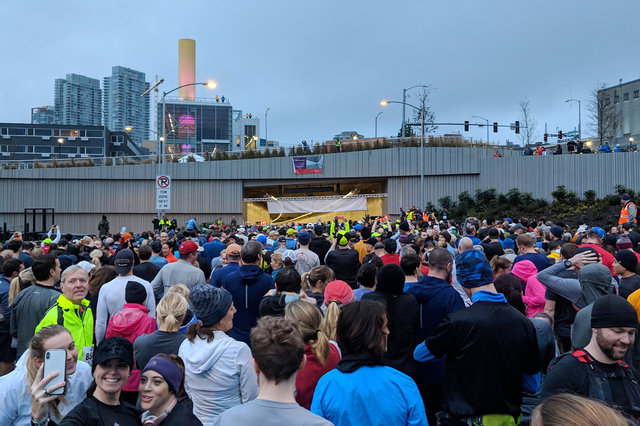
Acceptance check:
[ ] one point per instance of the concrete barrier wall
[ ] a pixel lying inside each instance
(214, 189)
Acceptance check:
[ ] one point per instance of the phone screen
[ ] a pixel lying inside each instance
(55, 360)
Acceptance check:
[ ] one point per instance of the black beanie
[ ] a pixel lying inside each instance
(135, 293)
(613, 311)
(627, 259)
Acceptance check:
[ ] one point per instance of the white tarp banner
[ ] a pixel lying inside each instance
(317, 206)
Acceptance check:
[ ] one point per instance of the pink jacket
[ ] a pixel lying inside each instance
(130, 323)
(534, 293)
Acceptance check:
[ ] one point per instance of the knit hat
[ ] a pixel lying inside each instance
(556, 231)
(168, 370)
(113, 348)
(304, 238)
(473, 269)
(123, 261)
(317, 229)
(343, 238)
(509, 243)
(446, 235)
(624, 242)
(210, 304)
(339, 291)
(625, 197)
(627, 259)
(135, 293)
(613, 311)
(390, 279)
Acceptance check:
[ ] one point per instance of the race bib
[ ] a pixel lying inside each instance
(87, 354)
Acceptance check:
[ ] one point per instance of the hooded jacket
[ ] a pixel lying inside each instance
(534, 293)
(218, 375)
(436, 299)
(247, 286)
(131, 322)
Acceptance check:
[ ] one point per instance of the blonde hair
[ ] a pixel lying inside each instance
(95, 256)
(180, 289)
(566, 409)
(308, 320)
(37, 252)
(6, 254)
(171, 309)
(19, 283)
(36, 350)
(277, 257)
(317, 273)
(330, 322)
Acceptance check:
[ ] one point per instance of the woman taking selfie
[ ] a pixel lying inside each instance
(112, 360)
(162, 393)
(15, 400)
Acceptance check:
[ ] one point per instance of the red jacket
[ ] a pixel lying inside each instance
(607, 258)
(308, 377)
(131, 322)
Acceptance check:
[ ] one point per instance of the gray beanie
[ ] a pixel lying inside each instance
(210, 304)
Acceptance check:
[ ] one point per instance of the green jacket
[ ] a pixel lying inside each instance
(78, 319)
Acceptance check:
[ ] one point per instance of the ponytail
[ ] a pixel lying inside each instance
(330, 322)
(308, 319)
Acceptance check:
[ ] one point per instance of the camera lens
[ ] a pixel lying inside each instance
(48, 355)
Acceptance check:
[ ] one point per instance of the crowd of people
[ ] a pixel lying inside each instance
(375, 322)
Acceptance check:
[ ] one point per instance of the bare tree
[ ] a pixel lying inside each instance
(604, 118)
(429, 115)
(528, 123)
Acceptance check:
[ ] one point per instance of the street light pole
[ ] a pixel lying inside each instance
(376, 124)
(477, 116)
(422, 112)
(404, 100)
(266, 133)
(579, 116)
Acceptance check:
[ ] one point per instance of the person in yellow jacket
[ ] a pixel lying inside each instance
(72, 311)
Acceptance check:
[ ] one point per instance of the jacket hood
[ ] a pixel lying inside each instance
(127, 322)
(250, 274)
(524, 269)
(426, 289)
(200, 356)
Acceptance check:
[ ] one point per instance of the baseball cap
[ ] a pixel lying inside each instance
(86, 266)
(625, 196)
(372, 241)
(234, 250)
(113, 348)
(261, 239)
(597, 231)
(473, 269)
(290, 254)
(187, 247)
(291, 231)
(123, 261)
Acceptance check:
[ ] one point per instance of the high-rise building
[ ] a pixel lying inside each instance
(43, 115)
(78, 101)
(124, 108)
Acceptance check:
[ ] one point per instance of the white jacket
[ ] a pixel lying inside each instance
(15, 395)
(218, 375)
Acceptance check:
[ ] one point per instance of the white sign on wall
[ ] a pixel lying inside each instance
(163, 192)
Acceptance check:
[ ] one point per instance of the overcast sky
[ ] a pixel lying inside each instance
(322, 67)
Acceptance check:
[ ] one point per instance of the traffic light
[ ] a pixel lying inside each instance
(495, 127)
(517, 127)
(545, 137)
(559, 135)
(466, 126)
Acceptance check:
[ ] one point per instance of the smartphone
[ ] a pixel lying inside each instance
(55, 360)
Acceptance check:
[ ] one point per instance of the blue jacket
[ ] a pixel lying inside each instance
(377, 396)
(213, 249)
(436, 299)
(4, 305)
(219, 274)
(247, 285)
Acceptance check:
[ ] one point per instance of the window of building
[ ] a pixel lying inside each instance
(68, 150)
(94, 151)
(30, 149)
(30, 132)
(3, 131)
(94, 133)
(43, 132)
(17, 131)
(636, 93)
(69, 133)
(19, 149)
(40, 149)
(616, 99)
(4, 148)
(625, 97)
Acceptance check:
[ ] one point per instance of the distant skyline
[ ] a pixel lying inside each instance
(322, 68)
